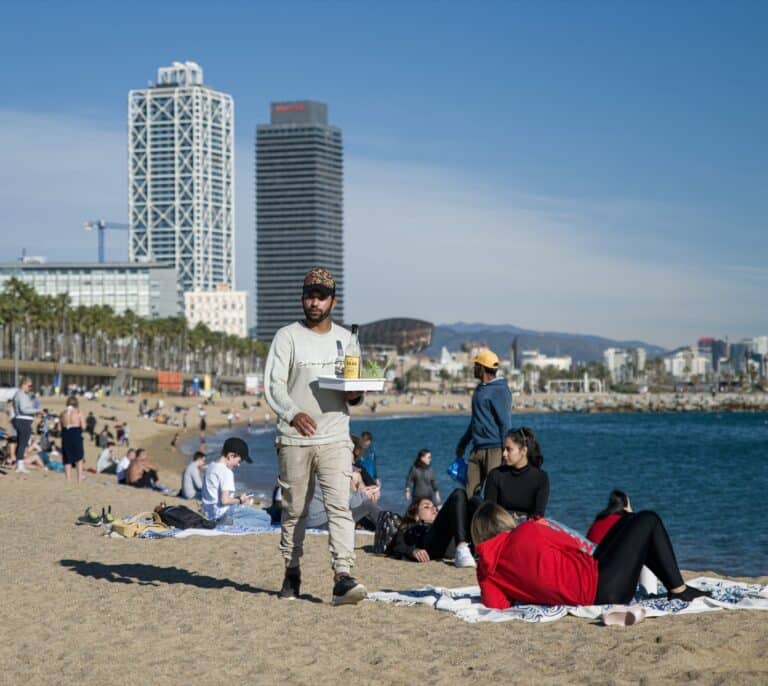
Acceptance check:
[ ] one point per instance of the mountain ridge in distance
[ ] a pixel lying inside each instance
(499, 337)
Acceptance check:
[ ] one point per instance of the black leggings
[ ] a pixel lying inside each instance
(635, 540)
(147, 479)
(451, 524)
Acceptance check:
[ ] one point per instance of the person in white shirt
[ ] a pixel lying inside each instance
(106, 464)
(122, 466)
(314, 447)
(220, 503)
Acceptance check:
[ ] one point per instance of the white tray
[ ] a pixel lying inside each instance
(333, 383)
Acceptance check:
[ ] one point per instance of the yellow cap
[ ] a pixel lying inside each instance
(488, 359)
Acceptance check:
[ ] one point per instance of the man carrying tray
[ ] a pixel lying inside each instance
(314, 446)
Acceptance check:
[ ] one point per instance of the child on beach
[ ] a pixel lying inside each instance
(421, 481)
(520, 486)
(533, 562)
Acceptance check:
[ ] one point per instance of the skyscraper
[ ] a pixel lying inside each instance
(181, 177)
(299, 212)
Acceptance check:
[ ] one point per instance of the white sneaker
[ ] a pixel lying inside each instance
(463, 556)
(21, 469)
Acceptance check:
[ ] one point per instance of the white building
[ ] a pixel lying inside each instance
(536, 359)
(147, 289)
(220, 310)
(688, 363)
(181, 177)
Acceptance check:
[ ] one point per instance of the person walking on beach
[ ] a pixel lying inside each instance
(23, 414)
(490, 422)
(314, 447)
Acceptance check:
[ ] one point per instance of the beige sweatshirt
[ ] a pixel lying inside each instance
(296, 358)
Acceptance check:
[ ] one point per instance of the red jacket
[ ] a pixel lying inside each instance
(535, 563)
(602, 526)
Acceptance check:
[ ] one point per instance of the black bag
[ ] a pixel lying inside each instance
(181, 517)
(387, 525)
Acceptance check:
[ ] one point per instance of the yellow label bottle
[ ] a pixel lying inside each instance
(352, 356)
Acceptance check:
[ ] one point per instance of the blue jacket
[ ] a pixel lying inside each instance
(491, 416)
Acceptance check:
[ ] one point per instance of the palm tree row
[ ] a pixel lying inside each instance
(45, 327)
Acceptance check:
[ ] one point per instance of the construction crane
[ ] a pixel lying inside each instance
(101, 226)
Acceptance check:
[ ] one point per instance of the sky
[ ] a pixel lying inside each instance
(561, 166)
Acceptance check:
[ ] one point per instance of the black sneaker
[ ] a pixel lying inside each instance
(291, 585)
(347, 591)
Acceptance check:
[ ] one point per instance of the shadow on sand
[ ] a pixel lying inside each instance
(152, 575)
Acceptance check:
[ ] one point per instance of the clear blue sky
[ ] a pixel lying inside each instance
(585, 167)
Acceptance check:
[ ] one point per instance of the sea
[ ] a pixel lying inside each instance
(706, 474)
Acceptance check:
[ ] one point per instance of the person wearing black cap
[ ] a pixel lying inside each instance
(314, 446)
(490, 423)
(220, 503)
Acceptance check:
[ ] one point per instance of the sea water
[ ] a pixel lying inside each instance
(705, 473)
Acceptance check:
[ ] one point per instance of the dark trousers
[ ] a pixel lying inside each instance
(451, 525)
(635, 540)
(23, 432)
(147, 479)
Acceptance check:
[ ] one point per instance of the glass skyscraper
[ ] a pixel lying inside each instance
(299, 210)
(181, 177)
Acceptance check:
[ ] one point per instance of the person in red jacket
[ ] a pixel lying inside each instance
(618, 506)
(536, 562)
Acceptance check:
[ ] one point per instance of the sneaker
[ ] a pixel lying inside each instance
(463, 556)
(291, 585)
(21, 469)
(688, 594)
(347, 591)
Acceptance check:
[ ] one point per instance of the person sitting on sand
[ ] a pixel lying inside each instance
(122, 466)
(141, 473)
(220, 503)
(520, 486)
(421, 482)
(426, 534)
(192, 479)
(106, 464)
(534, 562)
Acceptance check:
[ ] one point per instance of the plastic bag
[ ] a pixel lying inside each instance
(458, 471)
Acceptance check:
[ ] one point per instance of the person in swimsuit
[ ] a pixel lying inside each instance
(72, 427)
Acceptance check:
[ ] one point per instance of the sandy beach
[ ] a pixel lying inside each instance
(82, 608)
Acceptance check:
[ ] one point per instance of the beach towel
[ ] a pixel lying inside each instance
(465, 602)
(229, 530)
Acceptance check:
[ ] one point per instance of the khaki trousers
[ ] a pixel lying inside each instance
(329, 468)
(481, 462)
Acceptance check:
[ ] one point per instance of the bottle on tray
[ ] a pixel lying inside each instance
(352, 356)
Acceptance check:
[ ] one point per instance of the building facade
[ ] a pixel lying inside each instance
(181, 177)
(299, 210)
(220, 310)
(147, 289)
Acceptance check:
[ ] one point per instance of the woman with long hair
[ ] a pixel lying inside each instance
(426, 534)
(533, 562)
(618, 506)
(519, 485)
(421, 481)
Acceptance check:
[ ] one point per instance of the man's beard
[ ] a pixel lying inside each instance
(319, 318)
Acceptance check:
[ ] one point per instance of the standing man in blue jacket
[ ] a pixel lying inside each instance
(491, 417)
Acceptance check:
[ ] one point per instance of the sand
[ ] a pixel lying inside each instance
(81, 608)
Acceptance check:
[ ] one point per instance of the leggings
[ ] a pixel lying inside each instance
(635, 540)
(23, 432)
(451, 524)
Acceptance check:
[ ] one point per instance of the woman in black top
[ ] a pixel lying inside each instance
(520, 485)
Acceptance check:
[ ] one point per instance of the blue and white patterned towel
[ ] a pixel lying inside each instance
(465, 602)
(229, 530)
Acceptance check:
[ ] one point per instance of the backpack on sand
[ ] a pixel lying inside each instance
(387, 525)
(181, 517)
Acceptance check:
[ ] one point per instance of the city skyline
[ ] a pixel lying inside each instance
(589, 169)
